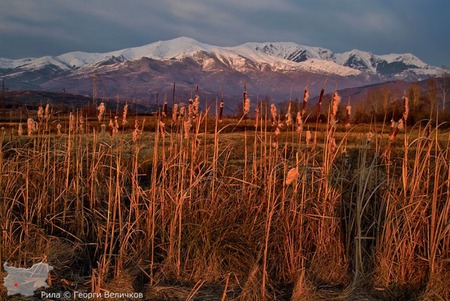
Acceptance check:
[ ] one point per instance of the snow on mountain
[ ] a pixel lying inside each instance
(330, 67)
(248, 53)
(357, 59)
(209, 60)
(79, 59)
(42, 62)
(277, 56)
(164, 50)
(6, 63)
(31, 63)
(291, 51)
(389, 64)
(406, 58)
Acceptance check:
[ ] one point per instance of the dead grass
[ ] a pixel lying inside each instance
(180, 215)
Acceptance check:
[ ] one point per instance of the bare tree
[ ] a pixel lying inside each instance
(444, 87)
(432, 95)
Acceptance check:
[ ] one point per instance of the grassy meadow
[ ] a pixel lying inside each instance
(193, 205)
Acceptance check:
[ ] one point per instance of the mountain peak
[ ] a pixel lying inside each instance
(181, 39)
(163, 50)
(406, 58)
(263, 60)
(291, 51)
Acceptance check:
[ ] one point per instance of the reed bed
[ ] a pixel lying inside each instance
(258, 208)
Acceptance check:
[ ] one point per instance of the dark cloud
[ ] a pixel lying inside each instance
(51, 27)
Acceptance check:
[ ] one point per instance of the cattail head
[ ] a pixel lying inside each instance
(273, 113)
(58, 129)
(135, 135)
(299, 122)
(256, 117)
(191, 110)
(332, 145)
(187, 128)
(308, 137)
(20, 130)
(292, 175)
(246, 106)
(124, 116)
(40, 112)
(306, 95)
(405, 108)
(288, 120)
(299, 119)
(175, 113)
(162, 128)
(136, 132)
(81, 121)
(72, 123)
(305, 101)
(334, 107)
(101, 111)
(400, 124)
(182, 112)
(347, 118)
(47, 112)
(319, 103)
(164, 111)
(322, 92)
(221, 110)
(289, 116)
(116, 124)
(196, 103)
(111, 127)
(31, 126)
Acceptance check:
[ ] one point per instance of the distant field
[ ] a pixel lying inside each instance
(188, 206)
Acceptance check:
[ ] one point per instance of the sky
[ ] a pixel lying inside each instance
(34, 28)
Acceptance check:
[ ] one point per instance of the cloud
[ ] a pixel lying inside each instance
(51, 27)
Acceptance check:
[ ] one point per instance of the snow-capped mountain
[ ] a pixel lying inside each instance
(267, 67)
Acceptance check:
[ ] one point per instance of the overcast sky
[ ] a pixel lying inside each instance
(33, 28)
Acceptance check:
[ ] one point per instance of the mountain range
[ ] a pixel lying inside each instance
(274, 69)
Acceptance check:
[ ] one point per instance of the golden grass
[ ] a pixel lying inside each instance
(209, 204)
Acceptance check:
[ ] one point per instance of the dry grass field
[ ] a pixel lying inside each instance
(199, 207)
